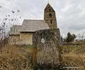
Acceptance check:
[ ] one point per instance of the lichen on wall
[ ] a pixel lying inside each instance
(47, 43)
(26, 38)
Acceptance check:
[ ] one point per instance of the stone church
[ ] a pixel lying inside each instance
(44, 35)
(24, 34)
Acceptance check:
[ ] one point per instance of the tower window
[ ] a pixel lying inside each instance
(51, 21)
(50, 15)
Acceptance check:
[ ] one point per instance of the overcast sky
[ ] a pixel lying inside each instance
(70, 13)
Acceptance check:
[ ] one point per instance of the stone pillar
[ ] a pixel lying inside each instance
(47, 43)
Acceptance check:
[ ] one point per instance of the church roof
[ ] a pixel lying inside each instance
(49, 7)
(28, 26)
(33, 25)
(15, 30)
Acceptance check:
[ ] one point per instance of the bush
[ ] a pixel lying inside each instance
(70, 37)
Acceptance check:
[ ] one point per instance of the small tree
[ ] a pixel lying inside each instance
(73, 37)
(70, 37)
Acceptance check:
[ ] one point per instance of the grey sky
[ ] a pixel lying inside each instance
(70, 13)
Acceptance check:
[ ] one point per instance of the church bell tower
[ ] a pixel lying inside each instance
(50, 17)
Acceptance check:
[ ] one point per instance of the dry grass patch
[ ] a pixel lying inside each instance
(15, 58)
(74, 56)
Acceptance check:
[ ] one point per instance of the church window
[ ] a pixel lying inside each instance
(50, 15)
(51, 21)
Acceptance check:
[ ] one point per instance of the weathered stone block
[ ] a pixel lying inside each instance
(47, 43)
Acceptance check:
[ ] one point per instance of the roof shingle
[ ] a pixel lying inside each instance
(29, 26)
(34, 25)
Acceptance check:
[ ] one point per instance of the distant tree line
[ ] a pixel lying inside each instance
(69, 38)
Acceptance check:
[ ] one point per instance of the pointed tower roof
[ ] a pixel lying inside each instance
(48, 7)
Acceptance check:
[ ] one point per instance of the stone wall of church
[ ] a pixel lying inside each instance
(50, 17)
(26, 38)
(47, 43)
(51, 21)
(22, 39)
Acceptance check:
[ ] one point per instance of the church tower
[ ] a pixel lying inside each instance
(50, 17)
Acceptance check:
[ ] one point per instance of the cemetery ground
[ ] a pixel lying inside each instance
(23, 58)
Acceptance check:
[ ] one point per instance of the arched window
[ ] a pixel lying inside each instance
(50, 15)
(51, 21)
